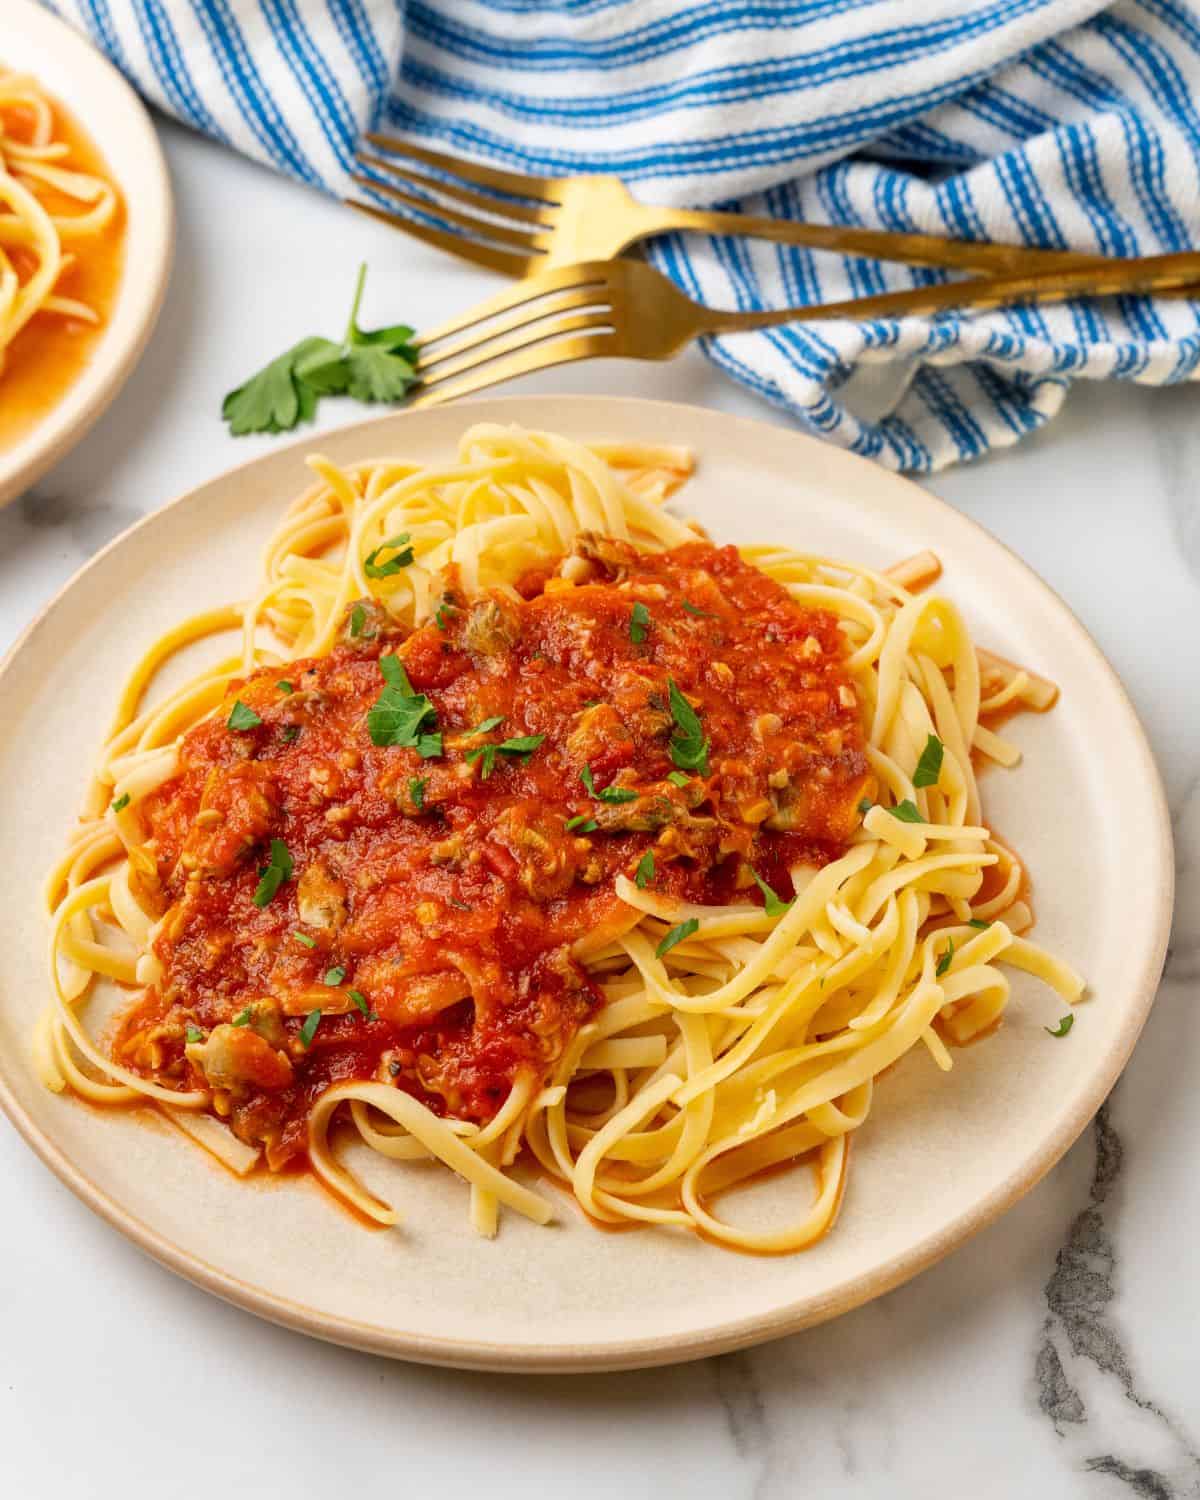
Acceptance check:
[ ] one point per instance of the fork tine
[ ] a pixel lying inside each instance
(523, 316)
(581, 276)
(524, 337)
(528, 362)
(522, 239)
(524, 213)
(505, 261)
(541, 189)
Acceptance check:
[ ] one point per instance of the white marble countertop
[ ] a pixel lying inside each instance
(1055, 1355)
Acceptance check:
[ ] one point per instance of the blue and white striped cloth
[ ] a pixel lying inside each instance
(1067, 123)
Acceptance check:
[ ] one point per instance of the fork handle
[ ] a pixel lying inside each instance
(1149, 274)
(878, 244)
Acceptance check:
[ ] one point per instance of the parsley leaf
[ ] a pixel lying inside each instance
(334, 976)
(689, 746)
(946, 960)
(242, 1018)
(487, 724)
(639, 624)
(980, 926)
(929, 767)
(402, 559)
(193, 1034)
(309, 1029)
(291, 733)
(303, 937)
(676, 935)
(700, 614)
(772, 904)
(1063, 1026)
(360, 1001)
(358, 618)
(285, 686)
(610, 793)
(521, 744)
(121, 803)
(276, 397)
(677, 778)
(486, 755)
(241, 717)
(368, 365)
(907, 812)
(272, 876)
(416, 792)
(582, 822)
(644, 873)
(401, 717)
(865, 806)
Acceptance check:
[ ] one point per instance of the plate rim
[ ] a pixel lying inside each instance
(59, 430)
(737, 1333)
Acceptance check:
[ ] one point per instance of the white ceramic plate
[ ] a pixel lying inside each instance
(73, 71)
(941, 1155)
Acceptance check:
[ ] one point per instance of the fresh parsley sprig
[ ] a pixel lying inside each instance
(368, 365)
(401, 717)
(689, 744)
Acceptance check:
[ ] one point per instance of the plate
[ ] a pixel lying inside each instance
(941, 1155)
(108, 109)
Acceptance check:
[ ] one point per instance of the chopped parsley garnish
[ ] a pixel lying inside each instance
(1063, 1026)
(285, 686)
(582, 822)
(401, 717)
(610, 793)
(639, 624)
(416, 792)
(358, 618)
(700, 614)
(524, 744)
(241, 717)
(444, 608)
(290, 733)
(303, 937)
(334, 976)
(360, 1000)
(772, 904)
(676, 935)
(521, 744)
(678, 778)
(368, 365)
(387, 569)
(121, 803)
(689, 745)
(644, 873)
(929, 767)
(978, 924)
(309, 1029)
(865, 806)
(242, 1018)
(488, 724)
(273, 874)
(193, 1035)
(946, 960)
(907, 811)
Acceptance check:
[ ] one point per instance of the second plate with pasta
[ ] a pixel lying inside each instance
(559, 815)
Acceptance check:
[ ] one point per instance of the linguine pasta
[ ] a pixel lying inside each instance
(732, 1038)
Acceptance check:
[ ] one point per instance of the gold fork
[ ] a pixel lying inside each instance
(568, 220)
(625, 308)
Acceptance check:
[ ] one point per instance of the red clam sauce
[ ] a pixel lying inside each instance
(425, 856)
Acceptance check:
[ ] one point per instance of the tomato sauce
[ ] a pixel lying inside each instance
(435, 907)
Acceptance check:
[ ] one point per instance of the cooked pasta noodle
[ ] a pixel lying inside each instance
(732, 1037)
(53, 212)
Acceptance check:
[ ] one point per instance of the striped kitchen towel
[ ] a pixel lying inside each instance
(1064, 123)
